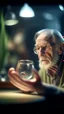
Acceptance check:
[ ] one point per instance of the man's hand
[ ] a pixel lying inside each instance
(32, 85)
(24, 85)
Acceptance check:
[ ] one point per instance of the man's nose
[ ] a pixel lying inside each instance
(42, 50)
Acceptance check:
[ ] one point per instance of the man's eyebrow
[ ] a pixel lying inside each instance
(41, 45)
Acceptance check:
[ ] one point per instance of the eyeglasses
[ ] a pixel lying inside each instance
(37, 48)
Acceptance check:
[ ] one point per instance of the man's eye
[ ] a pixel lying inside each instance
(37, 48)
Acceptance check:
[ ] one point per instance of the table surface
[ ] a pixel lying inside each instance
(9, 94)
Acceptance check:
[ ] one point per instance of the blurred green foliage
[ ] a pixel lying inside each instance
(3, 41)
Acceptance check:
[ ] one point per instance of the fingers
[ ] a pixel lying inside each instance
(24, 85)
(18, 82)
(13, 75)
(11, 69)
(54, 68)
(19, 85)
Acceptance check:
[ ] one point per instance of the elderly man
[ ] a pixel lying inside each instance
(50, 51)
(50, 79)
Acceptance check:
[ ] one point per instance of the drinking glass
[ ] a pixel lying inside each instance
(24, 68)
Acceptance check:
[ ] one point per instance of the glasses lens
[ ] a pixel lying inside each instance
(35, 51)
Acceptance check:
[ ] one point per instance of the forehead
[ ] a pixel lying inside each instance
(41, 38)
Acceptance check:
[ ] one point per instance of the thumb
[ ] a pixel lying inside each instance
(36, 75)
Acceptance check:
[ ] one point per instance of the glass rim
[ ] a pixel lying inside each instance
(26, 60)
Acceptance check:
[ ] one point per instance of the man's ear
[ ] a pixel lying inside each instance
(61, 49)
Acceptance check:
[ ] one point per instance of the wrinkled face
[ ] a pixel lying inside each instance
(46, 52)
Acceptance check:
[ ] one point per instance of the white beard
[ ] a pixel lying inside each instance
(50, 63)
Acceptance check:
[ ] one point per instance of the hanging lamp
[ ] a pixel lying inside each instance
(10, 17)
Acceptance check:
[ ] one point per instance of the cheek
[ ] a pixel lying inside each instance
(51, 52)
(39, 56)
(55, 55)
(54, 52)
